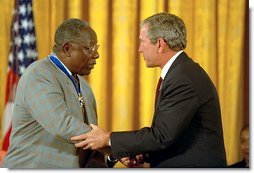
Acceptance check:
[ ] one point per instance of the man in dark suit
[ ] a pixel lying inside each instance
(186, 130)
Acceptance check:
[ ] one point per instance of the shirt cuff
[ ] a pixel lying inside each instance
(112, 159)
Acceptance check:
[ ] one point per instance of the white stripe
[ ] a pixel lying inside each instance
(7, 118)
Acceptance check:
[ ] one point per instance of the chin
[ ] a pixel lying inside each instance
(150, 66)
(87, 72)
(84, 72)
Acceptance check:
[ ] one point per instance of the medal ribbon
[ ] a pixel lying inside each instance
(56, 61)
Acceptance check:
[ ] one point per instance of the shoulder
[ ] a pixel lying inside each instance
(184, 64)
(39, 67)
(40, 70)
(185, 68)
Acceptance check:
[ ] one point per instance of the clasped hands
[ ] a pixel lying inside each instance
(98, 139)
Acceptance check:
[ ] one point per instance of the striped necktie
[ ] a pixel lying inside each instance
(158, 89)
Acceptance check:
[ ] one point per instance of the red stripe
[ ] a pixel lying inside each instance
(6, 140)
(12, 81)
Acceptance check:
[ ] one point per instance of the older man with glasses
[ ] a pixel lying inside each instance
(54, 103)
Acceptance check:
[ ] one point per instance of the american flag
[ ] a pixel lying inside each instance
(22, 53)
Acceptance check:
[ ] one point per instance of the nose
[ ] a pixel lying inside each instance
(247, 146)
(140, 49)
(96, 55)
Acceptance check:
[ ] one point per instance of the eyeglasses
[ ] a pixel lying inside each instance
(91, 50)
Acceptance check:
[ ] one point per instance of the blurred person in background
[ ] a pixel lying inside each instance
(244, 140)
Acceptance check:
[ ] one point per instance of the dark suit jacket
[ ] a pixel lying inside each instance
(186, 130)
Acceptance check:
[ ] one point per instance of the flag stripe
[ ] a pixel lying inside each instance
(22, 53)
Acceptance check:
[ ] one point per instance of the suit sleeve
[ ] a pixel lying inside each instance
(177, 106)
(45, 100)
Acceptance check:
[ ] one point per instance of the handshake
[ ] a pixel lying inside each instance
(99, 139)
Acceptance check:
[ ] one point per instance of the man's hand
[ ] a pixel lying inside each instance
(97, 138)
(135, 162)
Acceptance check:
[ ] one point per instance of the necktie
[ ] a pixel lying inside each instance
(158, 89)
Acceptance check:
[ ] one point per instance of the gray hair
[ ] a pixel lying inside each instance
(69, 31)
(169, 27)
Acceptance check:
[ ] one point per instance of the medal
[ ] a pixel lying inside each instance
(82, 103)
(81, 100)
(74, 79)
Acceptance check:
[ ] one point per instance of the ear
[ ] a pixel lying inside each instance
(66, 47)
(162, 44)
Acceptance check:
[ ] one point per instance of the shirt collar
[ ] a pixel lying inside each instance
(168, 64)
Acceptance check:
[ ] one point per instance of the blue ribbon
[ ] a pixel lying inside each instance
(56, 61)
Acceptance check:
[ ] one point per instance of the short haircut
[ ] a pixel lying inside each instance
(69, 31)
(169, 27)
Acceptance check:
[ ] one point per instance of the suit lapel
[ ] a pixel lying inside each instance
(183, 57)
(66, 85)
(89, 105)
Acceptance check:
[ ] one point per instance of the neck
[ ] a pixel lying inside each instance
(63, 59)
(166, 57)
